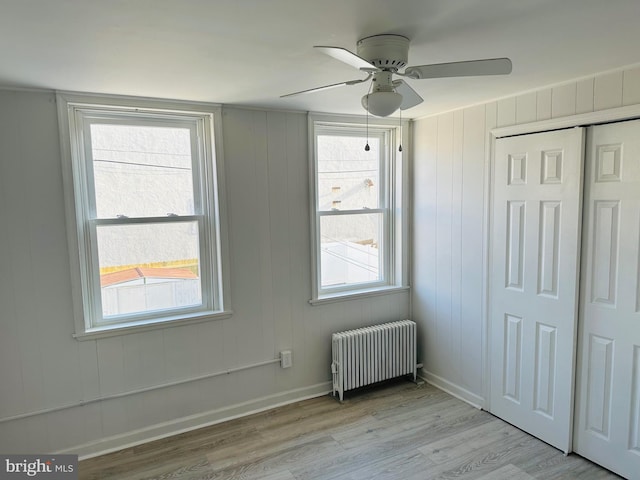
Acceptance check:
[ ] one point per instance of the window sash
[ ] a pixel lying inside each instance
(205, 208)
(94, 284)
(100, 118)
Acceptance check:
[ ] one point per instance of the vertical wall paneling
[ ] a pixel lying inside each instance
(424, 247)
(89, 376)
(180, 358)
(506, 111)
(113, 416)
(278, 154)
(491, 119)
(20, 363)
(47, 268)
(472, 254)
(246, 167)
(563, 100)
(37, 435)
(526, 107)
(631, 87)
(210, 347)
(584, 95)
(457, 331)
(110, 357)
(607, 90)
(144, 361)
(543, 104)
(444, 274)
(291, 331)
(448, 292)
(272, 133)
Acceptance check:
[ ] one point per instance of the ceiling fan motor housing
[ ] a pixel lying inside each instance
(387, 52)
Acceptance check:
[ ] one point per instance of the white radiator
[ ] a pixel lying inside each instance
(373, 354)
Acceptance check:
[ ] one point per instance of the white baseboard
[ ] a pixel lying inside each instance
(193, 422)
(452, 389)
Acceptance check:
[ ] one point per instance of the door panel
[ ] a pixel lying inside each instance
(608, 384)
(533, 304)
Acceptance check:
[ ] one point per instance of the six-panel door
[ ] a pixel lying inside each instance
(534, 281)
(607, 428)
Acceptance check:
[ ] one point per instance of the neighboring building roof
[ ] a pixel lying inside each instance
(136, 273)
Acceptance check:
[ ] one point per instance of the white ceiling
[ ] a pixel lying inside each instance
(249, 52)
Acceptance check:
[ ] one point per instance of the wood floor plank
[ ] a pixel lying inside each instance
(482, 436)
(407, 439)
(475, 463)
(405, 465)
(508, 472)
(398, 430)
(301, 454)
(368, 429)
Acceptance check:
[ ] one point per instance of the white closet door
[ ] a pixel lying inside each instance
(534, 281)
(608, 385)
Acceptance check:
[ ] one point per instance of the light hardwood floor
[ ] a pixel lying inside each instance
(395, 431)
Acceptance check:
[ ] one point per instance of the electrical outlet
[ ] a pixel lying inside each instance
(286, 359)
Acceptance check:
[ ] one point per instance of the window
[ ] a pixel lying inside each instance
(146, 215)
(358, 213)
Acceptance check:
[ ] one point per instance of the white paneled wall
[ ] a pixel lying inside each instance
(450, 192)
(43, 368)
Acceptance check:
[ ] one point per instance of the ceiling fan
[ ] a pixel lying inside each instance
(383, 56)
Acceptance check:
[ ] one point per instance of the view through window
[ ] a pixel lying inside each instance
(349, 201)
(142, 172)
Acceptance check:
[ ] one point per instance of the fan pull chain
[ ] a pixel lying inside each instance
(367, 147)
(400, 147)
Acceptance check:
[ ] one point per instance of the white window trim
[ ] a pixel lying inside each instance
(398, 207)
(68, 104)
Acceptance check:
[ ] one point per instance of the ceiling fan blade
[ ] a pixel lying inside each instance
(317, 89)
(327, 87)
(491, 66)
(410, 97)
(347, 57)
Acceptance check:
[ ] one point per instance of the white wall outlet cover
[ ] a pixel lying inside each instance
(286, 359)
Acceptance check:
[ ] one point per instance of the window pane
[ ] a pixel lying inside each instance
(348, 176)
(349, 249)
(142, 171)
(148, 267)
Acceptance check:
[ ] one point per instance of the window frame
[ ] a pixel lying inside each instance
(76, 114)
(393, 204)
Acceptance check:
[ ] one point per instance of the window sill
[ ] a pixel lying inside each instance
(148, 325)
(357, 294)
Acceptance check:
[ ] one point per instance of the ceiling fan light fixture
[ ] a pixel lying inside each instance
(382, 104)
